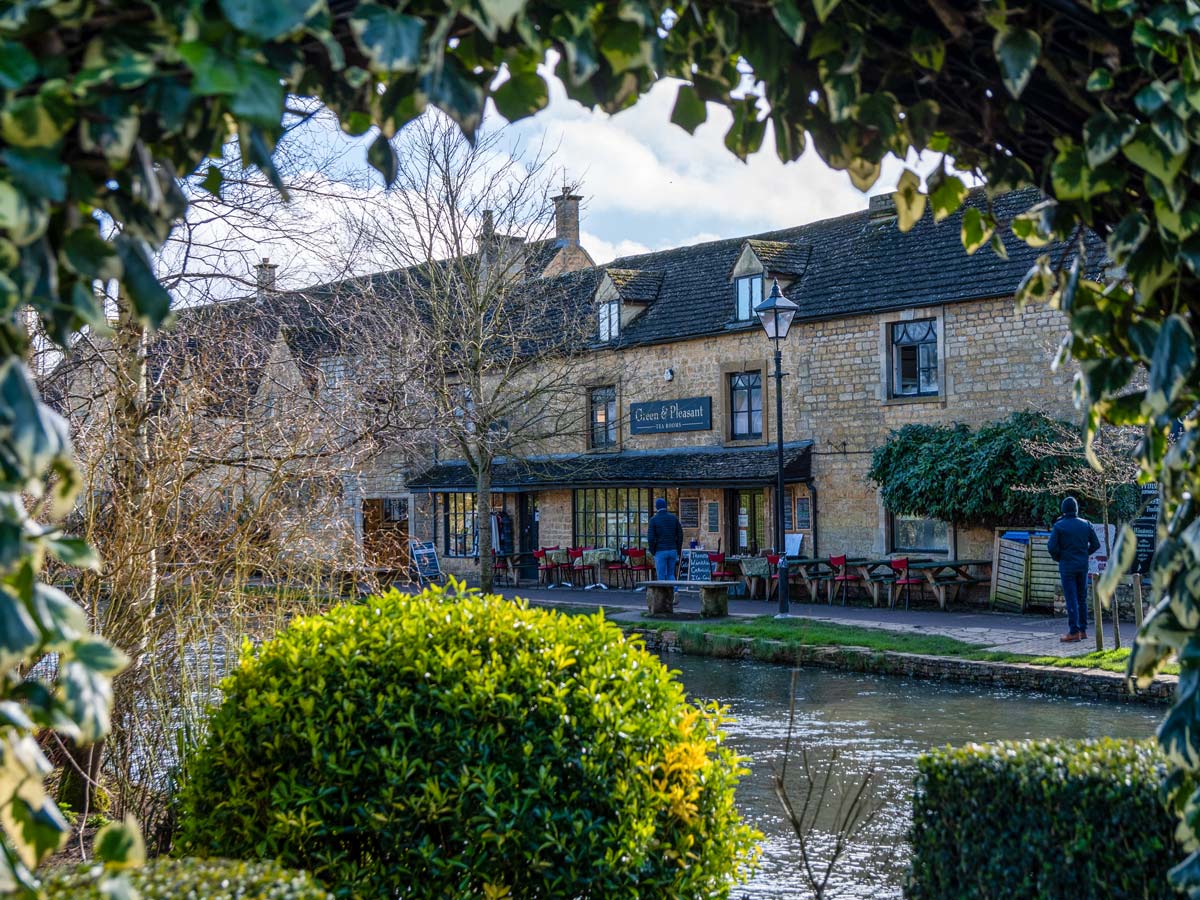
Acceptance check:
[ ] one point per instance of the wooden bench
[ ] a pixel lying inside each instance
(714, 596)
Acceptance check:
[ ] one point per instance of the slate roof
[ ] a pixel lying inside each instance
(857, 266)
(635, 286)
(726, 466)
(781, 257)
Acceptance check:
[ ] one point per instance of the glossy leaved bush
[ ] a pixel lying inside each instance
(105, 103)
(957, 474)
(201, 879)
(1037, 820)
(450, 744)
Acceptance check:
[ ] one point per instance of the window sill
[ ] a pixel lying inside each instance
(904, 401)
(745, 442)
(615, 448)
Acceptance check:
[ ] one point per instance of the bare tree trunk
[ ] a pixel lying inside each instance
(483, 521)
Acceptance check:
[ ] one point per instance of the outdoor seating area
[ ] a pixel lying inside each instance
(841, 579)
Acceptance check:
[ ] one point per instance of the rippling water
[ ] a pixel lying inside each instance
(879, 722)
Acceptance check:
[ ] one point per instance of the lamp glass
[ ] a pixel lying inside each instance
(776, 322)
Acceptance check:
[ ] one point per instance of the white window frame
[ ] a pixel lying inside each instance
(752, 280)
(610, 321)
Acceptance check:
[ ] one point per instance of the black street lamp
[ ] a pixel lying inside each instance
(776, 314)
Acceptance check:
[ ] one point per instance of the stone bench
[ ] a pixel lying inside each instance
(714, 596)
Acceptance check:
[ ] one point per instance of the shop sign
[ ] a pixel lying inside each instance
(657, 416)
(1145, 528)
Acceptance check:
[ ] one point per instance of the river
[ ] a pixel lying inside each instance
(873, 722)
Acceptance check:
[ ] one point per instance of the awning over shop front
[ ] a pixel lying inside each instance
(711, 466)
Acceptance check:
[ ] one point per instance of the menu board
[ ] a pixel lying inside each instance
(689, 512)
(803, 514)
(425, 558)
(699, 566)
(787, 516)
(714, 517)
(1144, 529)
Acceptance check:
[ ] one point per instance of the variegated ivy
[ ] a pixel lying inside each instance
(103, 103)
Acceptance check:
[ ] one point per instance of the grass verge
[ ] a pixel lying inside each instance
(828, 634)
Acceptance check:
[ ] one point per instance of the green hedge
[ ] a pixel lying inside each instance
(453, 745)
(192, 879)
(1041, 819)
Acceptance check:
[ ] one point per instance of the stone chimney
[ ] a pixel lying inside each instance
(487, 229)
(265, 276)
(566, 216)
(882, 206)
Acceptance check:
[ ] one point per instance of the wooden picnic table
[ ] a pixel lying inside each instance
(877, 572)
(754, 569)
(815, 569)
(949, 573)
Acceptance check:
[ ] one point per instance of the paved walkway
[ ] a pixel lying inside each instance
(1036, 635)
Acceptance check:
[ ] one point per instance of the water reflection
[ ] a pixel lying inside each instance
(880, 722)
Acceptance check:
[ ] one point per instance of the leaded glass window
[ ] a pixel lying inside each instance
(745, 405)
(914, 358)
(603, 404)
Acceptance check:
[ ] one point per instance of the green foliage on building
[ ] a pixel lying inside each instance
(457, 745)
(965, 476)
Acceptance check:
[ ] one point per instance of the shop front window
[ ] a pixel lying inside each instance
(612, 517)
(460, 536)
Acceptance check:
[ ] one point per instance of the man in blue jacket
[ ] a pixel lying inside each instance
(664, 540)
(1072, 541)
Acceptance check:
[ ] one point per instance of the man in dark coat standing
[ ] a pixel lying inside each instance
(1072, 541)
(664, 540)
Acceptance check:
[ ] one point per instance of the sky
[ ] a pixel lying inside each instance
(647, 185)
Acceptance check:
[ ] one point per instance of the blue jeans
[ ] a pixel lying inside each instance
(664, 564)
(1074, 585)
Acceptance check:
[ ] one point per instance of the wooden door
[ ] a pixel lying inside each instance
(385, 533)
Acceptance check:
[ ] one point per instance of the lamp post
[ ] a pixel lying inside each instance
(776, 314)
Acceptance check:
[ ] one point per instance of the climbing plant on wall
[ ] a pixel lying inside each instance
(104, 102)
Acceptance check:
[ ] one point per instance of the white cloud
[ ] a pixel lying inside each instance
(649, 182)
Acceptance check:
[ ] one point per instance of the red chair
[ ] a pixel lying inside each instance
(903, 579)
(719, 572)
(842, 577)
(546, 570)
(618, 567)
(500, 569)
(773, 562)
(640, 568)
(581, 575)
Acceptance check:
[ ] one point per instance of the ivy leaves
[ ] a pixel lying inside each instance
(1017, 50)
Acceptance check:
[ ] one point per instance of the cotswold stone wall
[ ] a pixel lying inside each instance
(993, 361)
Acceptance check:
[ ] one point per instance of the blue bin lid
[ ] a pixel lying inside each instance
(1020, 536)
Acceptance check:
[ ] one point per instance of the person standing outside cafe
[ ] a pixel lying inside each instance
(1072, 541)
(664, 540)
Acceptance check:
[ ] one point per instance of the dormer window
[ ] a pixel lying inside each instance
(749, 293)
(610, 320)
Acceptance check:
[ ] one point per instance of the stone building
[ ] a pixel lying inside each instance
(893, 328)
(675, 396)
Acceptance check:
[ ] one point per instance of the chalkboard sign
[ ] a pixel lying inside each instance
(714, 517)
(689, 512)
(699, 566)
(787, 516)
(803, 514)
(425, 558)
(1145, 529)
